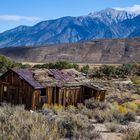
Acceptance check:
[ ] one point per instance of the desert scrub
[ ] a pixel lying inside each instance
(17, 123)
(131, 106)
(72, 126)
(136, 79)
(124, 118)
(71, 109)
(93, 104)
(132, 134)
(112, 127)
(87, 112)
(103, 116)
(122, 109)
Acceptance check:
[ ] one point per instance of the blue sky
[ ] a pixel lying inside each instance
(29, 12)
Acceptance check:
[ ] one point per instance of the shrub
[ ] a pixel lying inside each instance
(124, 70)
(93, 104)
(124, 118)
(112, 127)
(87, 112)
(58, 65)
(129, 116)
(6, 63)
(119, 117)
(108, 71)
(138, 109)
(72, 126)
(66, 127)
(131, 106)
(135, 79)
(85, 69)
(102, 116)
(122, 109)
(17, 123)
(132, 135)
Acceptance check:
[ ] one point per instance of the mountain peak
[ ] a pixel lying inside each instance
(107, 23)
(111, 15)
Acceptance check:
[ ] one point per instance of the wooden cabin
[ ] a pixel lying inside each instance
(35, 87)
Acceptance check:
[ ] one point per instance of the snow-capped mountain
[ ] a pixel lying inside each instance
(111, 15)
(108, 23)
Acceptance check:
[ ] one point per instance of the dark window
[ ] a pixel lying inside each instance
(43, 92)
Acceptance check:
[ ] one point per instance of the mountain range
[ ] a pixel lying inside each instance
(93, 51)
(108, 23)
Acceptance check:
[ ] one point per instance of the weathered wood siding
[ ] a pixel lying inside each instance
(72, 95)
(19, 91)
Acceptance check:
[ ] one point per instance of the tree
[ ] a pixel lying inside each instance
(106, 70)
(124, 70)
(85, 69)
(6, 63)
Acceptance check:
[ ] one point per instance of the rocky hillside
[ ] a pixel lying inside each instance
(108, 23)
(96, 51)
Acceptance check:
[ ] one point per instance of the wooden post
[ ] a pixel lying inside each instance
(73, 96)
(49, 95)
(64, 97)
(60, 97)
(35, 100)
(54, 93)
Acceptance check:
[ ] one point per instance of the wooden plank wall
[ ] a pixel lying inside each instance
(1, 91)
(20, 92)
(35, 100)
(64, 96)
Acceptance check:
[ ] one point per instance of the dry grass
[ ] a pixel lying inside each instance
(132, 134)
(19, 124)
(57, 122)
(32, 63)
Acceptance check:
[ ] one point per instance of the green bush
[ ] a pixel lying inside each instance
(121, 71)
(58, 65)
(6, 63)
(124, 70)
(85, 69)
(108, 71)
